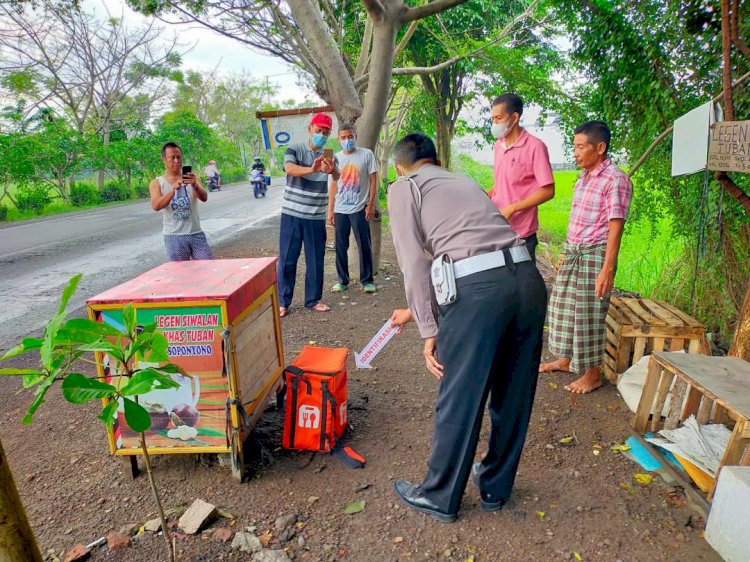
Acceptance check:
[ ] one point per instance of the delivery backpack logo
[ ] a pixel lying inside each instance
(308, 417)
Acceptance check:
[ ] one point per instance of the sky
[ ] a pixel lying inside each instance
(207, 50)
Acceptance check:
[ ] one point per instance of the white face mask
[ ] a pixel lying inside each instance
(499, 130)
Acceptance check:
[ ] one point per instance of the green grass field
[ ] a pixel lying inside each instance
(647, 249)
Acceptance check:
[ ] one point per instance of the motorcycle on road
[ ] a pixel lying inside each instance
(258, 182)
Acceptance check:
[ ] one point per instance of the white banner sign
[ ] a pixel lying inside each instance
(376, 345)
(288, 129)
(690, 140)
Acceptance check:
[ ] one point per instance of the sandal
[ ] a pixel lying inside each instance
(283, 311)
(320, 307)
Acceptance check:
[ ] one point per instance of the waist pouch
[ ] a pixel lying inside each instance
(443, 279)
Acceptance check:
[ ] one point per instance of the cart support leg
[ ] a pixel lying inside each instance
(238, 458)
(131, 465)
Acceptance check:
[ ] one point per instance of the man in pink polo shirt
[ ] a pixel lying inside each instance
(523, 174)
(580, 300)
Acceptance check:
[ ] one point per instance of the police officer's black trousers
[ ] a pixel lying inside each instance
(489, 343)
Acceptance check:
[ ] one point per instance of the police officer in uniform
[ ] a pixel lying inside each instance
(486, 342)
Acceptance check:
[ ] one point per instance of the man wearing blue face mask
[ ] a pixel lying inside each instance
(522, 171)
(303, 215)
(351, 205)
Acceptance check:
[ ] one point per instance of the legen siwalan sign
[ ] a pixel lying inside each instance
(729, 147)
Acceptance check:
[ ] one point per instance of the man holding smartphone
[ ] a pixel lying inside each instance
(176, 194)
(303, 214)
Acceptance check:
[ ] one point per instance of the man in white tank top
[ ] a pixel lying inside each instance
(176, 196)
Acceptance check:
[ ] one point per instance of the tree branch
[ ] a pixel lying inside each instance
(374, 8)
(411, 70)
(363, 61)
(734, 190)
(405, 39)
(419, 12)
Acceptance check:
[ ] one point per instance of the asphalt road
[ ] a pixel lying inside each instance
(108, 245)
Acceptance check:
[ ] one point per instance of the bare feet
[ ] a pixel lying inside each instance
(562, 364)
(320, 307)
(590, 381)
(283, 311)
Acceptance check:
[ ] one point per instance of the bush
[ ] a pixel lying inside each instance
(232, 175)
(114, 191)
(3, 213)
(33, 199)
(142, 192)
(84, 194)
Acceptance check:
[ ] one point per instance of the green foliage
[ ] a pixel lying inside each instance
(233, 175)
(114, 190)
(83, 194)
(521, 61)
(480, 173)
(33, 198)
(3, 213)
(67, 340)
(142, 191)
(195, 138)
(645, 64)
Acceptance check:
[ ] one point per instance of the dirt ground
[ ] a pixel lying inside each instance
(569, 503)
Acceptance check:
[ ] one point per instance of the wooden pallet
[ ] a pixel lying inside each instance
(713, 389)
(638, 327)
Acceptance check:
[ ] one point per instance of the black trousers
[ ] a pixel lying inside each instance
(490, 344)
(358, 223)
(293, 233)
(531, 243)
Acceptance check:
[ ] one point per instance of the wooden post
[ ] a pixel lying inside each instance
(17, 542)
(741, 342)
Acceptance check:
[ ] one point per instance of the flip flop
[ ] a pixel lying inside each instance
(320, 307)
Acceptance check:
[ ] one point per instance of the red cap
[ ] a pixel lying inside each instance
(322, 120)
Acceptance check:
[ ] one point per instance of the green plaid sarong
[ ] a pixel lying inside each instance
(576, 317)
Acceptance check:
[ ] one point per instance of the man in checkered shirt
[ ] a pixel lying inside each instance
(580, 299)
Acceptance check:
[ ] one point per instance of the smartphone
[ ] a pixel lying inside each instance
(328, 153)
(187, 170)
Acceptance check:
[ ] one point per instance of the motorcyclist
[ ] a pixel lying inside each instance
(211, 171)
(258, 165)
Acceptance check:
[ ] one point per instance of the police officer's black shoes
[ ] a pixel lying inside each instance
(412, 495)
(488, 502)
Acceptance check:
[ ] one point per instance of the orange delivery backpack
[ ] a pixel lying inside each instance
(316, 403)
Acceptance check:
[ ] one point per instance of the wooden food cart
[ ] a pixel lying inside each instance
(221, 320)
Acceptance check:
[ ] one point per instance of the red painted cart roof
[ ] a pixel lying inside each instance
(196, 280)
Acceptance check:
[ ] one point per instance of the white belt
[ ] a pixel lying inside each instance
(492, 260)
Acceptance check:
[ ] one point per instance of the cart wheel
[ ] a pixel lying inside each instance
(238, 461)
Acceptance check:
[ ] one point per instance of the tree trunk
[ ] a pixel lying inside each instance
(379, 82)
(343, 94)
(444, 134)
(17, 543)
(100, 173)
(741, 341)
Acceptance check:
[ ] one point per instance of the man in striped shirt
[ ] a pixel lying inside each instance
(303, 215)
